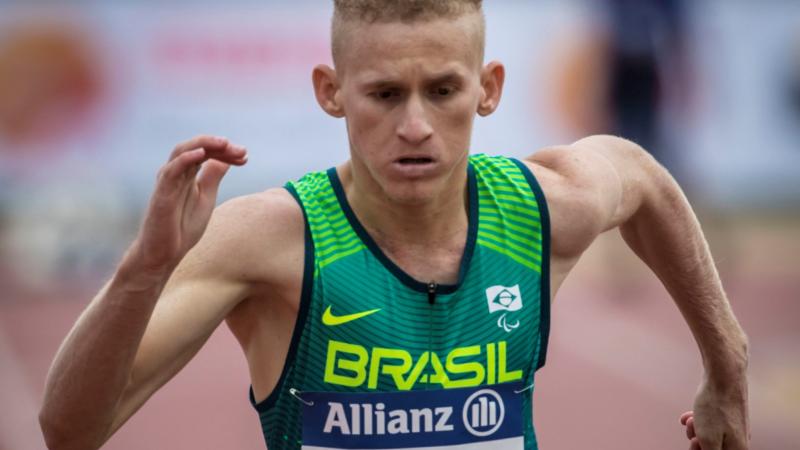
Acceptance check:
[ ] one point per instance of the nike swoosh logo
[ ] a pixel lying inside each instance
(330, 320)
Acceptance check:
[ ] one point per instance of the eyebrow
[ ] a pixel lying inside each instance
(449, 76)
(441, 78)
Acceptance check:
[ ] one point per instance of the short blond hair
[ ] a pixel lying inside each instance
(407, 11)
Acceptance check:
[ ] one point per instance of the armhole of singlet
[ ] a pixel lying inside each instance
(302, 313)
(544, 297)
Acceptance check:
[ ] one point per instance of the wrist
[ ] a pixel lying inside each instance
(725, 380)
(728, 368)
(729, 390)
(134, 274)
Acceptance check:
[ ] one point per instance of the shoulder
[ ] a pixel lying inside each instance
(249, 237)
(584, 185)
(268, 212)
(587, 162)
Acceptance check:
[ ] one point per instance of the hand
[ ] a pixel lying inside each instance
(687, 419)
(182, 201)
(719, 421)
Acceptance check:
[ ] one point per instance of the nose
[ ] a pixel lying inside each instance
(414, 126)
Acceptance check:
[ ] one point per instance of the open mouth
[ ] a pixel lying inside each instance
(415, 161)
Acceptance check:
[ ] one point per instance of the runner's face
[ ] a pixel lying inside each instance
(410, 93)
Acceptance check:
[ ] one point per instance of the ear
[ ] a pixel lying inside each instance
(326, 89)
(492, 78)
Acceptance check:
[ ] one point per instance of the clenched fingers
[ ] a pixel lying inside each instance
(690, 433)
(687, 419)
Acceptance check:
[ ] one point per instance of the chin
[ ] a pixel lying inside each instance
(411, 193)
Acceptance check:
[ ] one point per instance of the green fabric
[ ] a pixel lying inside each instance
(402, 341)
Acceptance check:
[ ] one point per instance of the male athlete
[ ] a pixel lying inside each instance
(401, 299)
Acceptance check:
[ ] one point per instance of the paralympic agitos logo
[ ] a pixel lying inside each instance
(506, 299)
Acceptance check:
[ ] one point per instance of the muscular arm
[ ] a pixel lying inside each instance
(603, 182)
(170, 292)
(129, 341)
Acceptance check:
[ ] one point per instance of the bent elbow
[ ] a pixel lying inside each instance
(56, 436)
(60, 436)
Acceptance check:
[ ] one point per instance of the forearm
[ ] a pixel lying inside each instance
(666, 235)
(603, 182)
(93, 365)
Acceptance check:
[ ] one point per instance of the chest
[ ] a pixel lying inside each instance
(439, 263)
(367, 330)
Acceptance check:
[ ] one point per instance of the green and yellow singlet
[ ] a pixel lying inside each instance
(380, 360)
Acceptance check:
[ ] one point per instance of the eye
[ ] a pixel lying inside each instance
(386, 94)
(442, 91)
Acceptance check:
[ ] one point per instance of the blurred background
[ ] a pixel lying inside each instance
(94, 95)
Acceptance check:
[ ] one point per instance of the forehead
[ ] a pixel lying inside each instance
(431, 46)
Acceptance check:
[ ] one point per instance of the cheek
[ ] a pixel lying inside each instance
(363, 120)
(368, 137)
(466, 112)
(358, 131)
(457, 117)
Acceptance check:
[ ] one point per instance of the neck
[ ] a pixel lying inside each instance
(440, 220)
